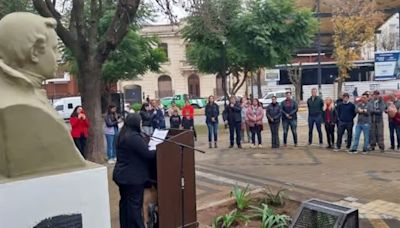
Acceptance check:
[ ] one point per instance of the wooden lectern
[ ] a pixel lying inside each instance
(169, 181)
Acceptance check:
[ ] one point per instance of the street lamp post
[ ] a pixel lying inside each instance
(319, 48)
(223, 68)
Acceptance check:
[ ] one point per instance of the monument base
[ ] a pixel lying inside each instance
(71, 199)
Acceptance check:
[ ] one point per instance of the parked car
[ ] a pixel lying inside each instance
(179, 100)
(65, 106)
(221, 100)
(267, 99)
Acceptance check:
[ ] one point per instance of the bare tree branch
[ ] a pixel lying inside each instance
(48, 10)
(123, 17)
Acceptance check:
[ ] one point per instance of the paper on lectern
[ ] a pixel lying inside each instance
(158, 137)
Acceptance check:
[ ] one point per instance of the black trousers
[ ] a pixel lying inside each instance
(187, 124)
(80, 143)
(330, 133)
(130, 206)
(341, 128)
(256, 130)
(274, 126)
(235, 128)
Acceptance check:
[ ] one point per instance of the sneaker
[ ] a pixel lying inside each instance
(240, 146)
(382, 150)
(209, 145)
(231, 146)
(329, 147)
(295, 145)
(365, 151)
(253, 146)
(336, 149)
(215, 145)
(352, 151)
(259, 146)
(392, 147)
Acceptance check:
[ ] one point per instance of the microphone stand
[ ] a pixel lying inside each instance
(181, 147)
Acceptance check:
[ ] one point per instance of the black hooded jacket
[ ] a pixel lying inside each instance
(133, 155)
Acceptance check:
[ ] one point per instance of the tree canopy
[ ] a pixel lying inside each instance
(243, 37)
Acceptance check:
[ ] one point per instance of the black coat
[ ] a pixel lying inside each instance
(133, 159)
(274, 112)
(147, 118)
(233, 114)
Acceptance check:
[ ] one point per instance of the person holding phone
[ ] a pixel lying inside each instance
(79, 128)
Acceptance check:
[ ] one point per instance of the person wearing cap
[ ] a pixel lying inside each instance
(364, 110)
(346, 111)
(132, 172)
(315, 105)
(376, 133)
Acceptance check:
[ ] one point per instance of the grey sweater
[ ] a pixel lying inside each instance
(364, 115)
(378, 107)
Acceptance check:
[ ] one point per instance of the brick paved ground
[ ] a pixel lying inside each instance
(368, 182)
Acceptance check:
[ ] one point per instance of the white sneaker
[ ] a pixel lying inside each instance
(253, 146)
(260, 146)
(111, 161)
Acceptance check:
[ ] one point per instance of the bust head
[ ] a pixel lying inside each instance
(28, 42)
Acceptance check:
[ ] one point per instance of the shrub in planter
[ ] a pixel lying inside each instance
(268, 218)
(275, 199)
(136, 107)
(230, 219)
(242, 197)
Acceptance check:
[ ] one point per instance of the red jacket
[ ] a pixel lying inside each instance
(79, 127)
(188, 112)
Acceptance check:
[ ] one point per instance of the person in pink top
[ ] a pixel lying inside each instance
(254, 118)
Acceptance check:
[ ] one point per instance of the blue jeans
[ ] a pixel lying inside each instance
(212, 130)
(111, 146)
(357, 133)
(293, 127)
(394, 130)
(318, 121)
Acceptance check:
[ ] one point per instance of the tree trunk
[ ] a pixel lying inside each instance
(91, 101)
(259, 92)
(339, 89)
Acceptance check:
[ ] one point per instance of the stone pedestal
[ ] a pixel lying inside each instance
(78, 197)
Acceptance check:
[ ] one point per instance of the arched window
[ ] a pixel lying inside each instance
(164, 86)
(194, 86)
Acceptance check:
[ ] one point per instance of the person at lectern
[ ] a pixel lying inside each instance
(132, 171)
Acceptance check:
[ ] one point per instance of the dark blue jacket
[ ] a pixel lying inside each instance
(159, 120)
(346, 112)
(212, 110)
(290, 110)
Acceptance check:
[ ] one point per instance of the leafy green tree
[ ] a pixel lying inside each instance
(78, 28)
(261, 34)
(9, 6)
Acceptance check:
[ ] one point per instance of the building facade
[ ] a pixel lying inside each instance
(176, 76)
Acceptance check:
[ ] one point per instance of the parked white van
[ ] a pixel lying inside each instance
(267, 99)
(65, 106)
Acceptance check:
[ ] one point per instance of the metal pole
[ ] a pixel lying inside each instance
(319, 48)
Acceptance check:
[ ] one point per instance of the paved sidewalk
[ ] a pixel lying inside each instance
(368, 182)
